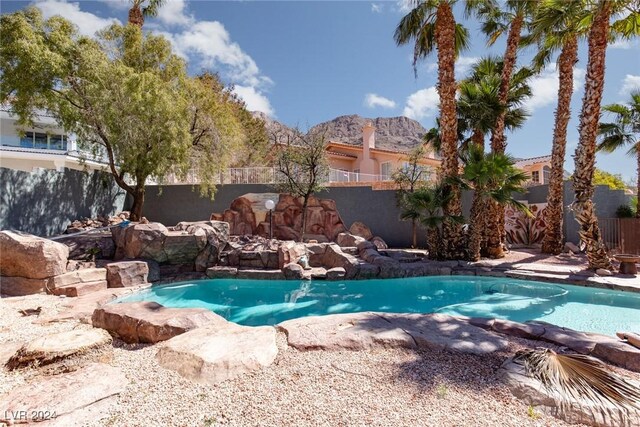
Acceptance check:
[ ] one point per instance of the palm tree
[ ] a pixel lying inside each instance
(583, 206)
(431, 25)
(426, 205)
(557, 26)
(492, 177)
(479, 107)
(624, 131)
(140, 9)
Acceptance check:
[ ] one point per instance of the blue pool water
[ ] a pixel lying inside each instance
(261, 302)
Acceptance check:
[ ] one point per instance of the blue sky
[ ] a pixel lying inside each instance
(304, 62)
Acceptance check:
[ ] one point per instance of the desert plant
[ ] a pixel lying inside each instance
(625, 211)
(579, 378)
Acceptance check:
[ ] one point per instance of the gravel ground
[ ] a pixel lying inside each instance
(385, 387)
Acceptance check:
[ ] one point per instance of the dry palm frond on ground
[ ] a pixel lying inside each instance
(579, 378)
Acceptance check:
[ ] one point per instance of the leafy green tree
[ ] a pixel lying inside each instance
(492, 177)
(408, 180)
(304, 168)
(624, 131)
(141, 9)
(125, 95)
(613, 181)
(431, 25)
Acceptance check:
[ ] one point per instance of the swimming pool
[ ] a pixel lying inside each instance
(267, 302)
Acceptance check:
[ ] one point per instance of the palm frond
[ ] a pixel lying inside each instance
(579, 378)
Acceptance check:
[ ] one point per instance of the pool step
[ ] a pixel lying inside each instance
(80, 289)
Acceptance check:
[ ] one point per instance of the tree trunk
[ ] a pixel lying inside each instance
(498, 139)
(498, 142)
(585, 152)
(445, 42)
(477, 137)
(138, 202)
(414, 234)
(477, 227)
(304, 217)
(638, 181)
(553, 242)
(434, 240)
(135, 16)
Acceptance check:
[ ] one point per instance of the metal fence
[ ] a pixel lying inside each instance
(621, 235)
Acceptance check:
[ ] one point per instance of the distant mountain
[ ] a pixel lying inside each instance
(392, 133)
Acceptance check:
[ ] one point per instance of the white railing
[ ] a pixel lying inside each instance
(270, 175)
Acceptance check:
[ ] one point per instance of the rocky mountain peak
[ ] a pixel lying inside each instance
(392, 133)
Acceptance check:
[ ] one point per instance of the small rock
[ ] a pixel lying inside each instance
(603, 272)
(360, 229)
(345, 240)
(293, 271)
(124, 274)
(222, 272)
(379, 243)
(336, 273)
(571, 247)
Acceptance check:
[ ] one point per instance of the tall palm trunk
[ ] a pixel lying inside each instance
(495, 239)
(478, 221)
(445, 41)
(586, 150)
(553, 237)
(638, 181)
(135, 16)
(498, 142)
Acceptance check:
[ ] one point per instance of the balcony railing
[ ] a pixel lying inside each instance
(271, 175)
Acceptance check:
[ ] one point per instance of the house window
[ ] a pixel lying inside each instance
(535, 176)
(385, 170)
(26, 141)
(43, 141)
(546, 174)
(356, 175)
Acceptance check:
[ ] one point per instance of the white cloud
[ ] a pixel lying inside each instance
(173, 12)
(87, 23)
(255, 100)
(211, 44)
(422, 104)
(404, 6)
(372, 100)
(376, 7)
(463, 64)
(117, 4)
(544, 87)
(629, 84)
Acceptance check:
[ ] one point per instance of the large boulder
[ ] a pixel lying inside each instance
(79, 282)
(124, 274)
(32, 257)
(293, 271)
(367, 330)
(359, 228)
(217, 352)
(88, 246)
(345, 240)
(195, 243)
(150, 322)
(18, 286)
(334, 257)
(50, 348)
(75, 397)
(290, 252)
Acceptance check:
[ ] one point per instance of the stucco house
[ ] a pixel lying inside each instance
(44, 146)
(539, 168)
(368, 163)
